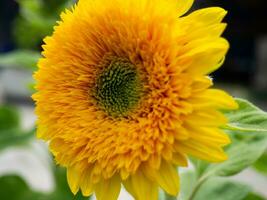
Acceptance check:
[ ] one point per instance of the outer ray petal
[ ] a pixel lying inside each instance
(201, 83)
(209, 118)
(167, 177)
(205, 55)
(183, 6)
(179, 160)
(201, 151)
(73, 178)
(206, 16)
(108, 189)
(86, 184)
(214, 98)
(210, 136)
(211, 31)
(141, 187)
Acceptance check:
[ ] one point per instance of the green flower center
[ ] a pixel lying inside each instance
(118, 88)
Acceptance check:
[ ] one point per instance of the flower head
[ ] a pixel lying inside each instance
(123, 94)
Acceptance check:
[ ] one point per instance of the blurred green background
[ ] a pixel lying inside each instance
(27, 170)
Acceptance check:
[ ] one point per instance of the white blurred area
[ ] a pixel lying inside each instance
(32, 162)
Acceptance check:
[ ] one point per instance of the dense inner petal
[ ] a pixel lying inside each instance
(118, 87)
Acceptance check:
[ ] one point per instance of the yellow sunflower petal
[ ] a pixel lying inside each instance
(206, 118)
(211, 31)
(201, 83)
(108, 189)
(86, 184)
(206, 16)
(167, 177)
(215, 98)
(179, 159)
(73, 177)
(183, 6)
(210, 136)
(141, 187)
(205, 55)
(201, 151)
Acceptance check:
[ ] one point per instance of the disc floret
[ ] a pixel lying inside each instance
(118, 88)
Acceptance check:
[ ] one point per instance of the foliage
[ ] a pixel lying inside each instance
(24, 59)
(252, 196)
(14, 188)
(36, 20)
(222, 189)
(10, 130)
(261, 164)
(9, 118)
(22, 192)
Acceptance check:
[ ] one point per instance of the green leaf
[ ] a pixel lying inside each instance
(222, 189)
(10, 130)
(252, 196)
(200, 166)
(36, 20)
(14, 137)
(57, 6)
(188, 179)
(247, 118)
(14, 188)
(20, 59)
(169, 197)
(261, 164)
(9, 118)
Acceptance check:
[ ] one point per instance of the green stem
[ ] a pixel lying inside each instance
(197, 186)
(169, 197)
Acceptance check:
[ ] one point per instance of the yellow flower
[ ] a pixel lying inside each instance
(123, 94)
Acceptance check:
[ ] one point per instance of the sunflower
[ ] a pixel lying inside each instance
(123, 94)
